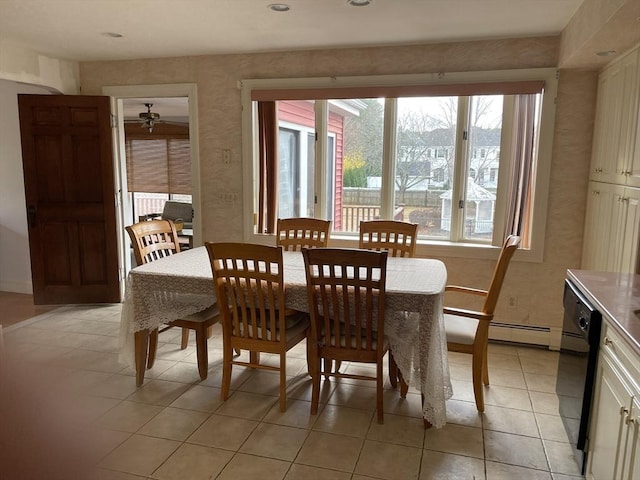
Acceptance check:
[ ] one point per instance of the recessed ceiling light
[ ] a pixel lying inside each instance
(113, 34)
(606, 53)
(279, 7)
(359, 3)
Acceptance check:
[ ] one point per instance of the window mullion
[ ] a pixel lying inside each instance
(322, 119)
(387, 192)
(460, 172)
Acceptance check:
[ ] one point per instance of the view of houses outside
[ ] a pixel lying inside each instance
(426, 130)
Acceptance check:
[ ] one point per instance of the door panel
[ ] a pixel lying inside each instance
(70, 194)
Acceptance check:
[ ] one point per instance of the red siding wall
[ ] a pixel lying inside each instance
(301, 112)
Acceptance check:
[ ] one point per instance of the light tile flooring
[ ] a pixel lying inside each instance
(176, 427)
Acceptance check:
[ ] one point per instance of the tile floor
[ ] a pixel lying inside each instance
(176, 427)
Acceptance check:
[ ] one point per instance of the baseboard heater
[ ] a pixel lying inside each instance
(528, 334)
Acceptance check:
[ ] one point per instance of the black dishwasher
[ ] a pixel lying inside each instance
(577, 367)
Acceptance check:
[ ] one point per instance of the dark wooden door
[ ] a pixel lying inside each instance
(70, 198)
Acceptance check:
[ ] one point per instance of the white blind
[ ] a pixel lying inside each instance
(160, 165)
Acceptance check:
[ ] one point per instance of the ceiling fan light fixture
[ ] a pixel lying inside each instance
(149, 117)
(359, 3)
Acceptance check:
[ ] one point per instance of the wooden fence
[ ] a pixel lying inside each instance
(352, 215)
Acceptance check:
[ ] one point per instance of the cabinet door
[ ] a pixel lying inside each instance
(601, 212)
(632, 452)
(608, 428)
(627, 162)
(631, 218)
(607, 126)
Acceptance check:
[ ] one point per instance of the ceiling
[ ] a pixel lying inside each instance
(76, 29)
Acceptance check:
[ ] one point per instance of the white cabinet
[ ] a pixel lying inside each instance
(614, 155)
(611, 243)
(614, 449)
(606, 133)
(628, 157)
(612, 228)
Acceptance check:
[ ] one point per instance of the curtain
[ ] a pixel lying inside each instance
(522, 169)
(268, 158)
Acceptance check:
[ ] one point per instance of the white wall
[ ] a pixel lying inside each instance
(21, 64)
(15, 265)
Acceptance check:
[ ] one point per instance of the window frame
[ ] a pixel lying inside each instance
(425, 247)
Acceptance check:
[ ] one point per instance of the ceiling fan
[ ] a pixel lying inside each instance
(149, 119)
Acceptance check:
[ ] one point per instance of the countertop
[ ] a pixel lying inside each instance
(617, 296)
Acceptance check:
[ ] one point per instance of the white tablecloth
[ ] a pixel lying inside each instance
(182, 284)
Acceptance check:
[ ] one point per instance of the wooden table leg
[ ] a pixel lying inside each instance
(404, 387)
(141, 348)
(427, 423)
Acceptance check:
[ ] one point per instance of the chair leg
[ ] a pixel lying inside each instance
(379, 384)
(141, 349)
(393, 370)
(254, 358)
(283, 381)
(226, 371)
(485, 367)
(209, 331)
(315, 379)
(201, 351)
(185, 338)
(153, 348)
(478, 387)
(327, 364)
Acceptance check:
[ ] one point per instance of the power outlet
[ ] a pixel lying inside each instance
(226, 156)
(513, 301)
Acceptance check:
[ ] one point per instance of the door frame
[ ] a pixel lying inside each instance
(118, 94)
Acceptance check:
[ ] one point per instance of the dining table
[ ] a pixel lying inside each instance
(182, 284)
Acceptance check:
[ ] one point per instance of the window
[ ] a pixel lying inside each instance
(426, 153)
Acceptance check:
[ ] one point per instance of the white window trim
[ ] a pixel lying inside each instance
(424, 248)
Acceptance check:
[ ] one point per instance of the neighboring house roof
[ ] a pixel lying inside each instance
(474, 192)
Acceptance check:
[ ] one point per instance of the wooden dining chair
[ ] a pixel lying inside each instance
(346, 293)
(155, 239)
(295, 233)
(399, 239)
(250, 289)
(468, 330)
